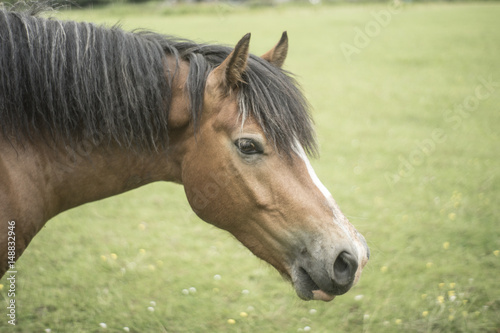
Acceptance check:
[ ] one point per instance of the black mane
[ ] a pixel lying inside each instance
(65, 81)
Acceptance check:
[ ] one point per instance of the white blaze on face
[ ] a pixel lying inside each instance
(338, 217)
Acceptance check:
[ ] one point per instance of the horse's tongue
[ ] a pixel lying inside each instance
(320, 295)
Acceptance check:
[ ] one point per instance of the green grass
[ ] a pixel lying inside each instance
(86, 266)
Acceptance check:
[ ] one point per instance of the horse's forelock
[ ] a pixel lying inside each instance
(268, 94)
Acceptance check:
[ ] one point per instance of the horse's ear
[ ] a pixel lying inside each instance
(277, 55)
(230, 72)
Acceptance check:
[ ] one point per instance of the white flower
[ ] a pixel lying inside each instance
(192, 290)
(185, 291)
(358, 297)
(312, 311)
(48, 330)
(245, 292)
(150, 308)
(307, 329)
(126, 329)
(103, 325)
(217, 277)
(153, 303)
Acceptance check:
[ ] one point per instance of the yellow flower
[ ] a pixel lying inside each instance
(496, 253)
(231, 321)
(451, 293)
(441, 285)
(383, 269)
(425, 313)
(151, 267)
(142, 226)
(452, 285)
(1, 286)
(451, 317)
(446, 245)
(142, 251)
(440, 299)
(398, 321)
(429, 265)
(103, 258)
(243, 314)
(452, 216)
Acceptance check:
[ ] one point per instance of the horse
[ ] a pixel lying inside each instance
(89, 111)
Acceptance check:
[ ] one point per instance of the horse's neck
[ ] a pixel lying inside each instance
(38, 182)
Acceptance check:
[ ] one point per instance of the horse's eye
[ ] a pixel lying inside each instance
(248, 146)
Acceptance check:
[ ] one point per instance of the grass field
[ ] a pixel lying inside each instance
(407, 114)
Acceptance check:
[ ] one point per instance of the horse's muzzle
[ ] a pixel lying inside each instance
(316, 279)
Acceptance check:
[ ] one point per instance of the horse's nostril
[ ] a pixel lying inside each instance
(344, 269)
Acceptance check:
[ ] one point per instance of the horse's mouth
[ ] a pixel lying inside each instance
(307, 289)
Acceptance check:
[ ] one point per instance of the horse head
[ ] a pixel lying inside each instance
(239, 177)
